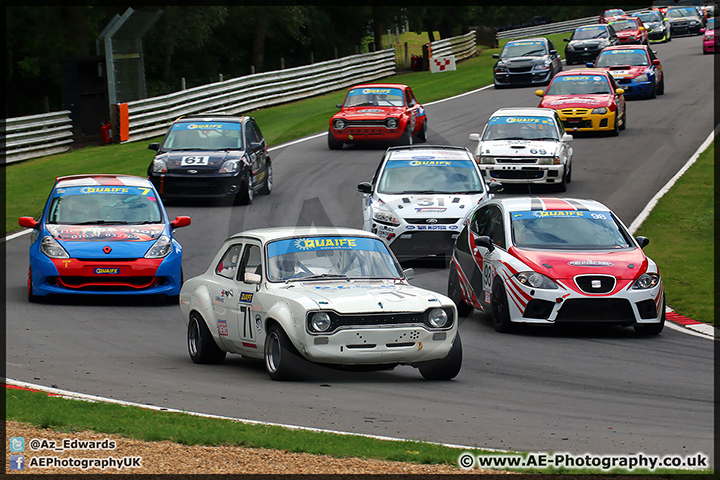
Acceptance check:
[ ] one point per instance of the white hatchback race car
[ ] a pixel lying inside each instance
(525, 145)
(420, 196)
(555, 260)
(336, 297)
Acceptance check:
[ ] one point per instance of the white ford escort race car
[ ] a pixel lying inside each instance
(420, 196)
(336, 297)
(525, 145)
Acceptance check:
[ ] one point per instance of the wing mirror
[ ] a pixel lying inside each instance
(364, 187)
(29, 222)
(475, 137)
(567, 137)
(154, 146)
(642, 241)
(539, 93)
(495, 186)
(619, 91)
(409, 273)
(484, 241)
(180, 222)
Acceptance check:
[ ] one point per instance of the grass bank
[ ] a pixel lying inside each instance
(681, 230)
(68, 415)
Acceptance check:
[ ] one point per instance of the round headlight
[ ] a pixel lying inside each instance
(437, 317)
(392, 123)
(320, 322)
(339, 124)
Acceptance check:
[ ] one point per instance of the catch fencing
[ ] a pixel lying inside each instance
(551, 28)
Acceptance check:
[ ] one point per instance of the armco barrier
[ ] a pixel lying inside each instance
(462, 47)
(36, 135)
(152, 117)
(552, 28)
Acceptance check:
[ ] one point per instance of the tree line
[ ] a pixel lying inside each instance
(199, 42)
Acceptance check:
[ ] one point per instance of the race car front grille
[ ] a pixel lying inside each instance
(516, 174)
(365, 123)
(439, 221)
(514, 160)
(105, 284)
(341, 320)
(574, 112)
(419, 244)
(519, 69)
(520, 78)
(600, 310)
(596, 283)
(623, 80)
(579, 123)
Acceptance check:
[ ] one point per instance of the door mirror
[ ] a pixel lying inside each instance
(567, 137)
(539, 93)
(29, 222)
(180, 222)
(484, 241)
(619, 91)
(475, 137)
(496, 55)
(154, 146)
(642, 241)
(364, 187)
(495, 186)
(409, 273)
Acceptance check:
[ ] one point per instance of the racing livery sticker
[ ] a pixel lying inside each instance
(109, 233)
(258, 323)
(206, 126)
(245, 297)
(222, 327)
(281, 247)
(590, 263)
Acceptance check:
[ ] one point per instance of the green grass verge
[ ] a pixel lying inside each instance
(681, 231)
(67, 415)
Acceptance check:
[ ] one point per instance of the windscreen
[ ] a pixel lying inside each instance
(567, 229)
(579, 85)
(520, 128)
(589, 33)
(204, 136)
(103, 205)
(621, 25)
(322, 257)
(534, 48)
(635, 57)
(374, 97)
(430, 176)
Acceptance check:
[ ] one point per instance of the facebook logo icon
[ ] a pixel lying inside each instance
(17, 444)
(17, 462)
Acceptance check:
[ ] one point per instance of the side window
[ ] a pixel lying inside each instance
(376, 176)
(250, 134)
(257, 131)
(251, 262)
(497, 229)
(550, 45)
(480, 221)
(560, 125)
(227, 265)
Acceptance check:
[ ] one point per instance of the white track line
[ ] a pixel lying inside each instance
(94, 398)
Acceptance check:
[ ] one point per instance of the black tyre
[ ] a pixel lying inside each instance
(32, 298)
(616, 129)
(281, 357)
(569, 174)
(652, 329)
(267, 187)
(653, 90)
(562, 186)
(445, 368)
(247, 192)
(201, 344)
(422, 136)
(661, 87)
(500, 309)
(406, 137)
(623, 126)
(455, 294)
(332, 143)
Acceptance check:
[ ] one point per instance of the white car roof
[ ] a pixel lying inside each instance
(518, 204)
(274, 233)
(527, 111)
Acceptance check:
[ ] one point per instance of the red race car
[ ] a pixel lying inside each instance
(384, 112)
(609, 15)
(630, 30)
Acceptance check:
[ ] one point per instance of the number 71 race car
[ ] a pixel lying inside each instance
(551, 261)
(335, 297)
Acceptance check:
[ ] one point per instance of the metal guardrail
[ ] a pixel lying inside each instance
(36, 135)
(461, 47)
(152, 117)
(552, 28)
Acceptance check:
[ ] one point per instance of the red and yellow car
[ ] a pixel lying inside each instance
(382, 112)
(586, 100)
